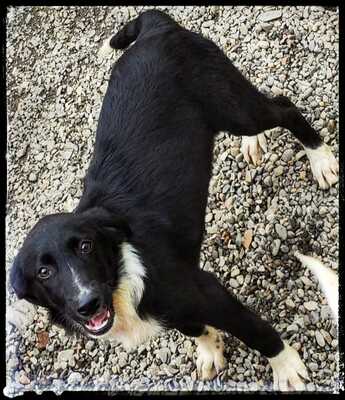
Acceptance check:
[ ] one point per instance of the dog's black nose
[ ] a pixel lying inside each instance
(89, 305)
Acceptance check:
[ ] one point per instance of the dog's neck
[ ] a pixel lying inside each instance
(132, 273)
(129, 329)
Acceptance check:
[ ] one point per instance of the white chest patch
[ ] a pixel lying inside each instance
(128, 328)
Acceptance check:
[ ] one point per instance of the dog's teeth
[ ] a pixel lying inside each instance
(97, 325)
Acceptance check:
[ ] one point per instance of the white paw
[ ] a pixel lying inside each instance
(210, 359)
(209, 364)
(289, 372)
(252, 147)
(324, 166)
(105, 49)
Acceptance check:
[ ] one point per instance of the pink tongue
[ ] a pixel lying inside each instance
(98, 319)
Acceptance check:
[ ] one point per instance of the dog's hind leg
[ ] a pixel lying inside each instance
(280, 111)
(231, 103)
(323, 163)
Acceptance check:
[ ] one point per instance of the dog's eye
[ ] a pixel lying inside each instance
(85, 246)
(44, 273)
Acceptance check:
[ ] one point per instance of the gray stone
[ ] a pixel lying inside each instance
(209, 217)
(66, 356)
(23, 379)
(163, 355)
(275, 247)
(263, 44)
(313, 366)
(74, 378)
(33, 177)
(270, 16)
(276, 91)
(238, 239)
(281, 231)
(290, 303)
(323, 210)
(306, 93)
(21, 314)
(22, 151)
(279, 171)
(310, 305)
(287, 155)
(292, 328)
(234, 283)
(300, 154)
(123, 359)
(319, 338)
(268, 180)
(90, 345)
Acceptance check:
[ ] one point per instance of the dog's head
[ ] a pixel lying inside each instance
(69, 263)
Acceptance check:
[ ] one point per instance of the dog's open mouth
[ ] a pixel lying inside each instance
(101, 322)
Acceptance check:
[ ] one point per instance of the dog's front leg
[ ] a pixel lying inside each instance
(218, 309)
(210, 348)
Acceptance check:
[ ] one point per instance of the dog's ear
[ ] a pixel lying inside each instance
(113, 224)
(17, 278)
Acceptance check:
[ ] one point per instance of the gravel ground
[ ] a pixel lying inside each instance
(256, 217)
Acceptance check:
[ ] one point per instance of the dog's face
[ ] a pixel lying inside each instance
(69, 263)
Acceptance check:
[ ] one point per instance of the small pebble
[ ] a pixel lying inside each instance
(320, 339)
(23, 379)
(234, 283)
(275, 247)
(279, 171)
(310, 305)
(270, 16)
(281, 231)
(32, 177)
(287, 155)
(290, 303)
(299, 155)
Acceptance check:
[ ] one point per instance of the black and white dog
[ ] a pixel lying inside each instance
(125, 264)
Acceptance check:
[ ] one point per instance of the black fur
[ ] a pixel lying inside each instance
(168, 96)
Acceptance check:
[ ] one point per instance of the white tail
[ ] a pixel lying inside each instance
(327, 278)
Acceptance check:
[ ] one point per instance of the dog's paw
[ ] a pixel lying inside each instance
(324, 166)
(289, 372)
(210, 351)
(105, 49)
(252, 148)
(209, 364)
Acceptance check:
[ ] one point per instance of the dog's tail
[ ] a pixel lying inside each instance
(327, 278)
(132, 30)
